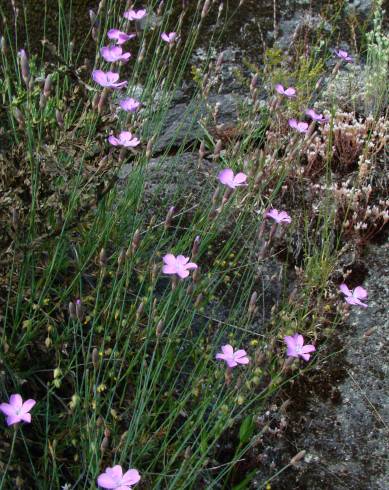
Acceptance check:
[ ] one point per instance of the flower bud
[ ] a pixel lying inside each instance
(79, 310)
(206, 7)
(19, 117)
(24, 67)
(47, 86)
(95, 358)
(195, 247)
(102, 258)
(169, 217)
(72, 311)
(59, 118)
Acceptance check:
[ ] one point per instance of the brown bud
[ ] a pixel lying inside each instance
(104, 444)
(298, 457)
(199, 300)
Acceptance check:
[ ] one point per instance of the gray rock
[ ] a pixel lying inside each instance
(181, 123)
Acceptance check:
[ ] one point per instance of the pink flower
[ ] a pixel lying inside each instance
(179, 265)
(302, 127)
(125, 138)
(135, 14)
(296, 347)
(119, 36)
(113, 478)
(315, 116)
(353, 297)
(289, 92)
(129, 104)
(232, 358)
(343, 55)
(279, 216)
(16, 410)
(114, 53)
(228, 178)
(107, 79)
(169, 38)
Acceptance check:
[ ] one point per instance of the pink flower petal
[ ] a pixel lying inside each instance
(345, 290)
(308, 348)
(169, 259)
(240, 178)
(7, 409)
(27, 405)
(16, 401)
(131, 477)
(26, 417)
(169, 269)
(13, 419)
(182, 273)
(106, 481)
(360, 293)
(226, 176)
(228, 350)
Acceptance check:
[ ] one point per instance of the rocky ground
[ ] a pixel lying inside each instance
(343, 422)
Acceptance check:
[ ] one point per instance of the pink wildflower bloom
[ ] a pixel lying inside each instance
(300, 126)
(343, 55)
(16, 410)
(289, 92)
(114, 53)
(107, 79)
(232, 358)
(135, 14)
(315, 116)
(125, 139)
(296, 347)
(119, 36)
(129, 104)
(353, 297)
(113, 478)
(169, 38)
(228, 178)
(279, 216)
(179, 265)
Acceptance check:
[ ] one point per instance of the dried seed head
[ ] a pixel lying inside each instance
(121, 257)
(219, 61)
(15, 218)
(134, 244)
(149, 147)
(139, 311)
